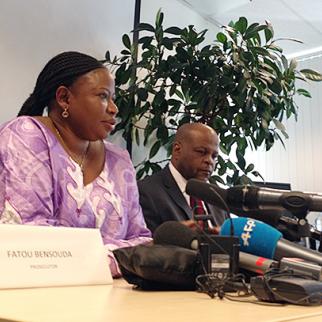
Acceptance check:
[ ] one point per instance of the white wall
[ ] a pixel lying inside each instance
(33, 31)
(176, 14)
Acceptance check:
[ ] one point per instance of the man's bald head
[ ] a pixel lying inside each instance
(195, 150)
(189, 130)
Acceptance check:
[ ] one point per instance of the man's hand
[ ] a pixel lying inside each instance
(194, 225)
(189, 223)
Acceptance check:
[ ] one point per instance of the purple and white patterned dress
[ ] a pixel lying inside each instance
(41, 185)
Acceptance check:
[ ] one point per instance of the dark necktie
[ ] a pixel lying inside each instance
(197, 210)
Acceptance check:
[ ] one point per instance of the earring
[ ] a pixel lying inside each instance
(65, 113)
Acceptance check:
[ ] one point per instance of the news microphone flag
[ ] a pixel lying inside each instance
(255, 237)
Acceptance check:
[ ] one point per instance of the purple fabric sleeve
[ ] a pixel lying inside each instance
(41, 185)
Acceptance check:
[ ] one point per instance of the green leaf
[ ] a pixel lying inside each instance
(125, 52)
(172, 89)
(147, 132)
(257, 174)
(159, 18)
(279, 125)
(230, 165)
(223, 149)
(145, 26)
(304, 92)
(137, 136)
(140, 173)
(250, 168)
(274, 47)
(155, 167)
(241, 160)
(154, 149)
(241, 25)
(167, 43)
(173, 30)
(221, 37)
(126, 41)
(269, 31)
(145, 40)
(222, 170)
(179, 94)
(244, 180)
(253, 30)
(108, 56)
(285, 62)
(311, 75)
(142, 94)
(261, 51)
(214, 179)
(162, 133)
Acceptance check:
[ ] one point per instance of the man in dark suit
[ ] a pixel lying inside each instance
(163, 196)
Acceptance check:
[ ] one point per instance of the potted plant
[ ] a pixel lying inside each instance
(241, 85)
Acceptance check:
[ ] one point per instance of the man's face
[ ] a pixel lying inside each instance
(195, 156)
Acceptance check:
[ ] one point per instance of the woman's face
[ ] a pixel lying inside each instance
(92, 110)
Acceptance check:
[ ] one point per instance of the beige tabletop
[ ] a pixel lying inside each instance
(119, 302)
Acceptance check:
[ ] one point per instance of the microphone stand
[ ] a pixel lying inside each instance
(299, 205)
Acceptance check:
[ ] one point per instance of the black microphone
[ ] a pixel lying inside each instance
(209, 193)
(175, 233)
(251, 197)
(257, 203)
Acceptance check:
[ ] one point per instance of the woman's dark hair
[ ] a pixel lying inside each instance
(63, 69)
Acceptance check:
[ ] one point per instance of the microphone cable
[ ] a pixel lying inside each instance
(216, 283)
(226, 208)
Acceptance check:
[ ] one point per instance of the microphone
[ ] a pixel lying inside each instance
(246, 207)
(252, 198)
(175, 233)
(260, 239)
(256, 264)
(209, 193)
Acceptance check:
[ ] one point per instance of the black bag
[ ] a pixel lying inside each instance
(159, 267)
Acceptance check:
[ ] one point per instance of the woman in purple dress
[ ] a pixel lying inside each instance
(57, 170)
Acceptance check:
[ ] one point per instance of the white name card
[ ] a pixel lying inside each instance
(42, 256)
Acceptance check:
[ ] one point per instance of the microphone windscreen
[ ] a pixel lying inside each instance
(255, 237)
(207, 192)
(175, 233)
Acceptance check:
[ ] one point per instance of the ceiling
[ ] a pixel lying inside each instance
(300, 19)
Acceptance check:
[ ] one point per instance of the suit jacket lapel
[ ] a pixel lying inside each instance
(175, 193)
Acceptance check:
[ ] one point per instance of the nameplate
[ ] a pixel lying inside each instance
(42, 256)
